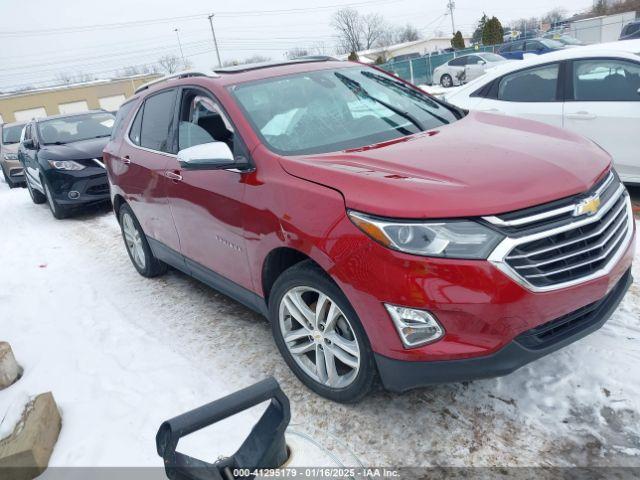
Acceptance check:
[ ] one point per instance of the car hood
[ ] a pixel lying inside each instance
(483, 164)
(10, 148)
(83, 150)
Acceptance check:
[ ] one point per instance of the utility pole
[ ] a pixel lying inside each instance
(451, 5)
(215, 42)
(180, 45)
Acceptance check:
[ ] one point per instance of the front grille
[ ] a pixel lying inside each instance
(98, 189)
(553, 248)
(571, 324)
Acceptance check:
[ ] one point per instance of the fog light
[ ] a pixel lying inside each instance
(416, 327)
(73, 195)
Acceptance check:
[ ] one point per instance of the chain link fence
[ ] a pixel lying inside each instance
(419, 71)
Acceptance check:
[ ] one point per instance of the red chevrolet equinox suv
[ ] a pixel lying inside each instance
(383, 232)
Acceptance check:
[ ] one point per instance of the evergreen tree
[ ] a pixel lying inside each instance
(353, 57)
(477, 34)
(492, 34)
(457, 41)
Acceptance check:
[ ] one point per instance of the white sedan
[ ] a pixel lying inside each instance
(463, 69)
(592, 90)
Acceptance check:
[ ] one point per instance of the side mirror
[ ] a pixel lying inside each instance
(207, 156)
(481, 62)
(29, 144)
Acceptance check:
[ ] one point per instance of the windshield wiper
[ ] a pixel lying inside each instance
(358, 89)
(58, 142)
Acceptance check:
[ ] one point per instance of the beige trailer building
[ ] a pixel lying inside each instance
(76, 98)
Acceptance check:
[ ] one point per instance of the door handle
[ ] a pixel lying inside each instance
(176, 177)
(581, 116)
(126, 160)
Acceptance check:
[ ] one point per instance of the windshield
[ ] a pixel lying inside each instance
(11, 133)
(553, 44)
(76, 128)
(492, 57)
(338, 109)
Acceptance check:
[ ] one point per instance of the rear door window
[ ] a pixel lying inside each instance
(458, 62)
(119, 123)
(157, 121)
(532, 85)
(606, 80)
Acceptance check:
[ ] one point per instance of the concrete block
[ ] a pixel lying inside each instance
(25, 453)
(9, 369)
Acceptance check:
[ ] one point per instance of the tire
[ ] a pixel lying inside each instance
(446, 81)
(137, 246)
(58, 211)
(306, 282)
(37, 197)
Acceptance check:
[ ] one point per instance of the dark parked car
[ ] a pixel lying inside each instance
(537, 46)
(630, 31)
(62, 160)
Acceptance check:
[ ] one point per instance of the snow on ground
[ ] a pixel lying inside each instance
(122, 353)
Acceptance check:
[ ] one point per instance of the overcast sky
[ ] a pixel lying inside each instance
(83, 36)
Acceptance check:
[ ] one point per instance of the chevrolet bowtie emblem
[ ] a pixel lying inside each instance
(588, 206)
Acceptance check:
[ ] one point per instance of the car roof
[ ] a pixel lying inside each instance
(626, 49)
(248, 72)
(12, 124)
(67, 115)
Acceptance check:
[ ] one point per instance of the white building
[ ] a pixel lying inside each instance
(600, 29)
(420, 47)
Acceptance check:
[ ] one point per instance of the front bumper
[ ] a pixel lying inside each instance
(13, 169)
(91, 185)
(400, 376)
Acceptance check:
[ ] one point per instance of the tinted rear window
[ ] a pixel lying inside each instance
(156, 121)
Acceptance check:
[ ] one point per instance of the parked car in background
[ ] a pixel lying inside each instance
(566, 40)
(381, 231)
(630, 31)
(405, 57)
(62, 160)
(465, 68)
(592, 90)
(9, 141)
(510, 35)
(535, 46)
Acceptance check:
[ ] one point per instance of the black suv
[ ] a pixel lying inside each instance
(630, 31)
(62, 160)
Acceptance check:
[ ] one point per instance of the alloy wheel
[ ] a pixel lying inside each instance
(133, 240)
(319, 337)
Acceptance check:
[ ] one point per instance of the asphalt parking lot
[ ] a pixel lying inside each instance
(578, 406)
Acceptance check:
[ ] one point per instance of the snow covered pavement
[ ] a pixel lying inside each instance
(122, 353)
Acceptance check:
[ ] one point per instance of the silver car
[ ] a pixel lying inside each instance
(9, 141)
(465, 68)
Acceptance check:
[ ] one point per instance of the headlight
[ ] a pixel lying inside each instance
(10, 156)
(66, 165)
(447, 239)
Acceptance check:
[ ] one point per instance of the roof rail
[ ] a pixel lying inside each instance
(184, 74)
(246, 67)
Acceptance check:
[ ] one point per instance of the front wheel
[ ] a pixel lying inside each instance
(137, 245)
(446, 81)
(57, 210)
(320, 335)
(35, 195)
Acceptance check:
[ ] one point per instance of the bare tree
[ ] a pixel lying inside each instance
(67, 78)
(320, 48)
(296, 53)
(348, 25)
(253, 59)
(408, 33)
(169, 63)
(373, 27)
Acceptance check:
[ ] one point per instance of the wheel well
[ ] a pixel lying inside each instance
(118, 201)
(276, 263)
